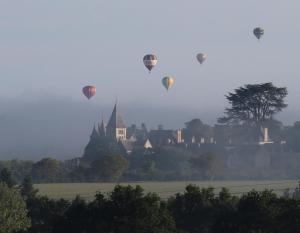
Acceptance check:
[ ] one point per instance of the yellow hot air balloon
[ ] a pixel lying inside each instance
(168, 82)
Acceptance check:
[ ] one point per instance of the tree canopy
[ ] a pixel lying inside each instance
(46, 169)
(6, 177)
(13, 212)
(109, 168)
(254, 104)
(197, 130)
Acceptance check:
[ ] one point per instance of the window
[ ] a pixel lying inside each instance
(120, 131)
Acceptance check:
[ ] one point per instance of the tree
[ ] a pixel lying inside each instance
(18, 168)
(6, 177)
(47, 215)
(288, 218)
(257, 212)
(46, 170)
(129, 210)
(13, 212)
(76, 217)
(27, 189)
(207, 165)
(109, 167)
(193, 210)
(197, 130)
(252, 105)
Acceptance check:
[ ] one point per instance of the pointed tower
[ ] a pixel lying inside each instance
(94, 133)
(101, 129)
(116, 128)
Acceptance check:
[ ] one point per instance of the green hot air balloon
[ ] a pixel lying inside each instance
(168, 82)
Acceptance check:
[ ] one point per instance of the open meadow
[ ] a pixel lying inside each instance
(164, 189)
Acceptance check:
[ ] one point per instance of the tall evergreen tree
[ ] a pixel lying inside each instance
(254, 104)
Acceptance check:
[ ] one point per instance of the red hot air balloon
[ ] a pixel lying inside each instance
(89, 91)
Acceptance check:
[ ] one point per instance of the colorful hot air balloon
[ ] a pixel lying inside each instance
(89, 91)
(167, 82)
(150, 61)
(258, 32)
(201, 57)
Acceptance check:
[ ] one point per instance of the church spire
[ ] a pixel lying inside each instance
(115, 121)
(116, 127)
(101, 128)
(94, 133)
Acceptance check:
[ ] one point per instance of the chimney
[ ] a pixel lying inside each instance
(266, 135)
(179, 136)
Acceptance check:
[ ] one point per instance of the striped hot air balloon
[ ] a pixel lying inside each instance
(150, 60)
(258, 32)
(168, 82)
(201, 57)
(89, 91)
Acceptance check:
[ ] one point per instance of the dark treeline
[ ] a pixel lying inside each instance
(129, 209)
(165, 164)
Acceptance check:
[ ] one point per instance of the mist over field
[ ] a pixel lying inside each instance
(60, 127)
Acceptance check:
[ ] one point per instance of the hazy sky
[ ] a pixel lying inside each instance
(50, 49)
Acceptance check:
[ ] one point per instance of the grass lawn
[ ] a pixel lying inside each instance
(164, 189)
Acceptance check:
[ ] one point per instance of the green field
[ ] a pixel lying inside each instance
(164, 189)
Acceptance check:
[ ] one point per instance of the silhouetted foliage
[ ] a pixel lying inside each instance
(47, 170)
(254, 104)
(108, 168)
(207, 165)
(18, 168)
(193, 211)
(195, 131)
(47, 215)
(27, 189)
(128, 209)
(6, 177)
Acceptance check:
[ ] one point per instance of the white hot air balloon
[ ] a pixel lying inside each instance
(150, 60)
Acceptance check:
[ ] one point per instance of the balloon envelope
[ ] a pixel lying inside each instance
(150, 60)
(201, 57)
(258, 32)
(89, 91)
(168, 82)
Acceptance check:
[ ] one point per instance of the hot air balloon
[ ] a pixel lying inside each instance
(258, 32)
(150, 61)
(167, 82)
(89, 91)
(201, 57)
